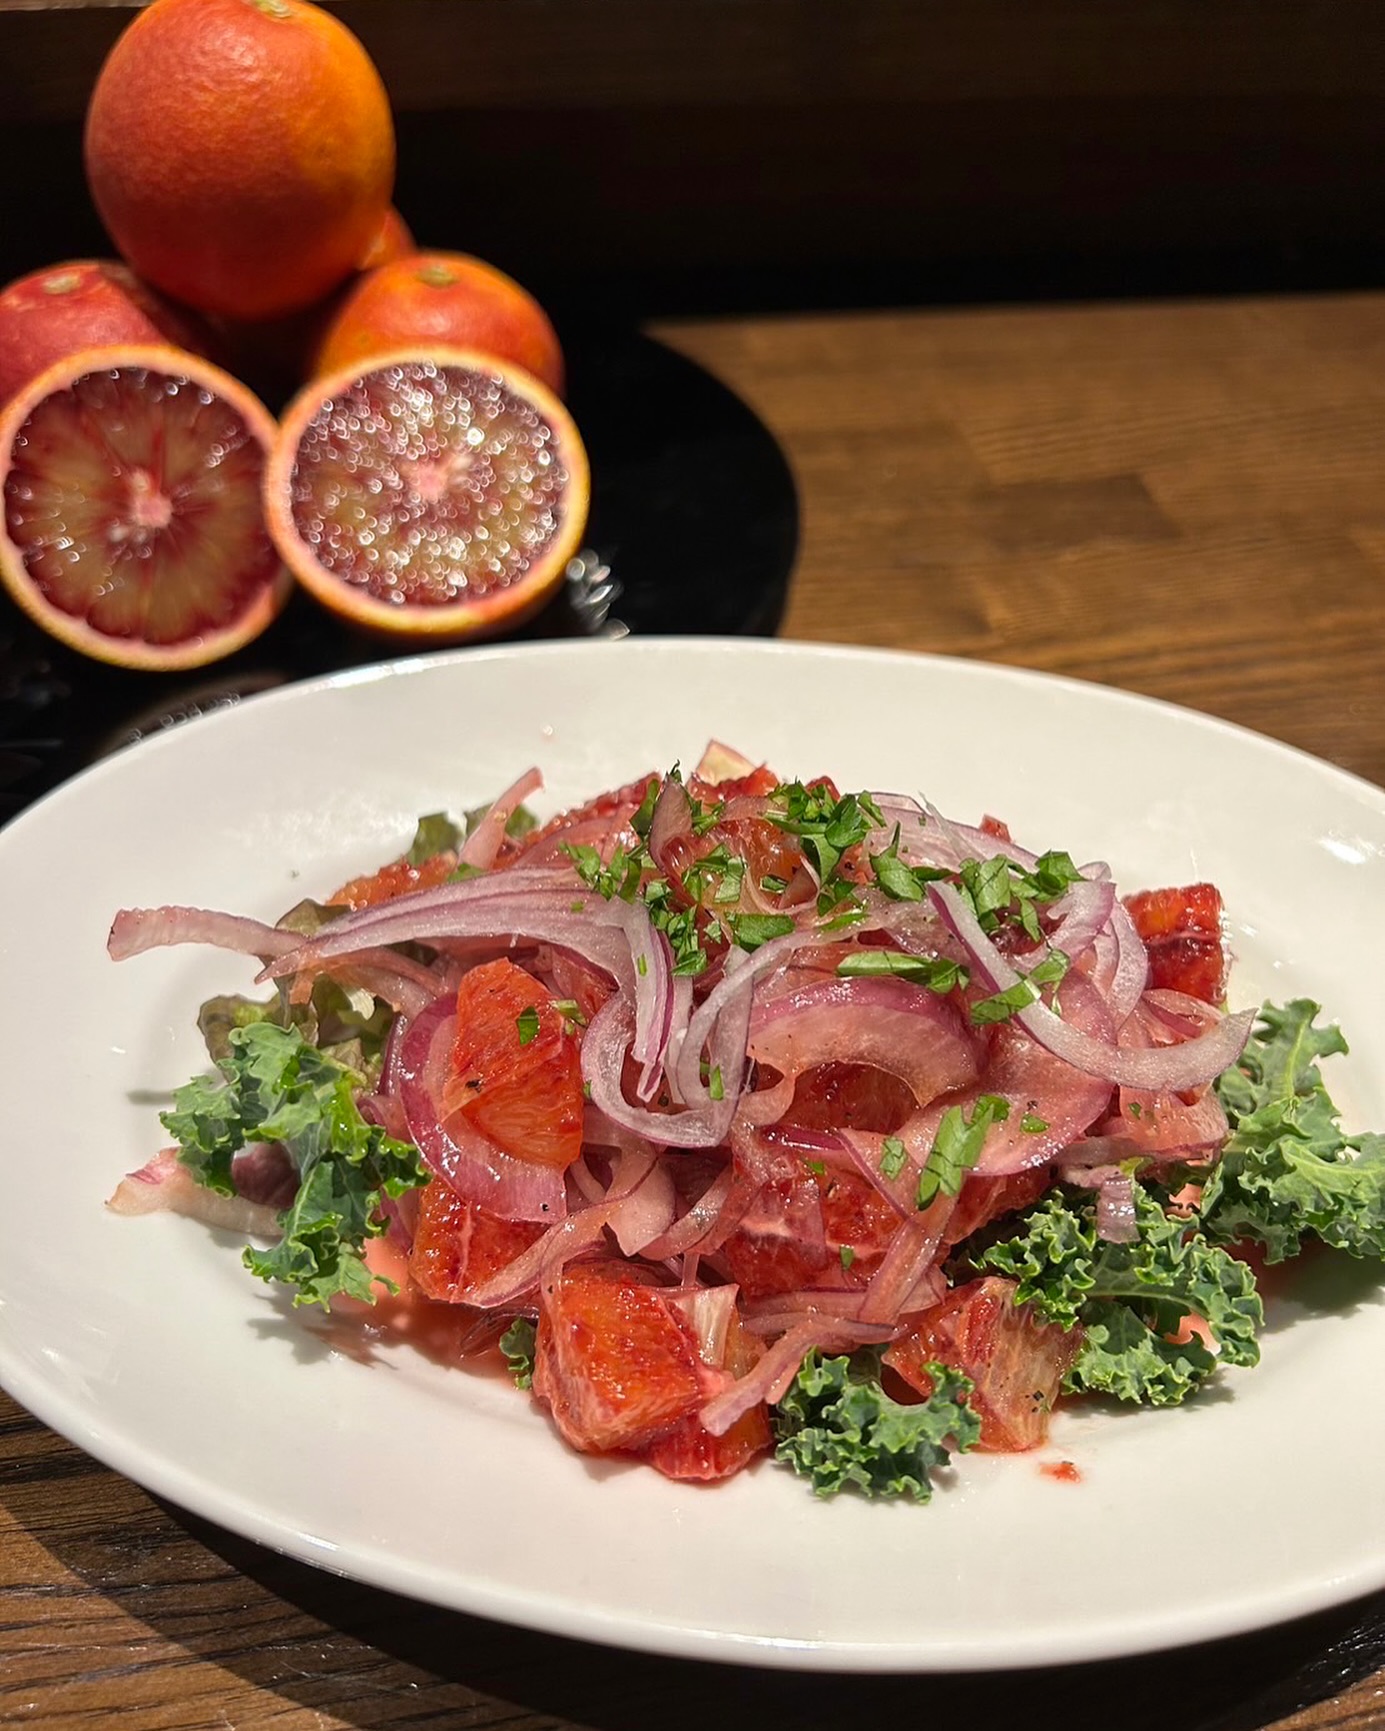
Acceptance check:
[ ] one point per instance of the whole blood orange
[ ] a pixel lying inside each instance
(133, 528)
(393, 239)
(427, 298)
(240, 152)
(52, 313)
(432, 494)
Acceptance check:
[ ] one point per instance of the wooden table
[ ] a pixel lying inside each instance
(1186, 500)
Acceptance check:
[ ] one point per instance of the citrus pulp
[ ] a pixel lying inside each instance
(133, 528)
(432, 494)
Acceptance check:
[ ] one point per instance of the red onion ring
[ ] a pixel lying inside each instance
(1186, 1066)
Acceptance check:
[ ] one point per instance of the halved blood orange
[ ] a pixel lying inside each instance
(133, 526)
(434, 494)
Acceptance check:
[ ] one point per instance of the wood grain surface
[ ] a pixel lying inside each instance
(1184, 500)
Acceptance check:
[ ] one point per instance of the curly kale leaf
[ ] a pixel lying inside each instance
(1131, 1300)
(1287, 1169)
(278, 1088)
(836, 1426)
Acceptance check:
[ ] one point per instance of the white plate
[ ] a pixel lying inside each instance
(146, 1343)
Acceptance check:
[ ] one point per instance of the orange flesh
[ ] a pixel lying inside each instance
(428, 485)
(133, 498)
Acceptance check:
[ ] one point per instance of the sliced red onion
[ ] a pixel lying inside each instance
(1115, 1201)
(469, 1162)
(514, 1285)
(1082, 912)
(483, 843)
(766, 1105)
(777, 1312)
(135, 930)
(926, 837)
(584, 1181)
(568, 1239)
(264, 1172)
(1186, 1066)
(718, 1029)
(1130, 972)
(912, 1252)
(605, 1046)
(1050, 1104)
(887, 1023)
(647, 1212)
(702, 1223)
(166, 1185)
(1089, 1154)
(616, 935)
(770, 1378)
(404, 984)
(670, 823)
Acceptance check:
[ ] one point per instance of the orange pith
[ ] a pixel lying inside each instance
(133, 528)
(432, 493)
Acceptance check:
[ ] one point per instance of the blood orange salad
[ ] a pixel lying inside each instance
(742, 1116)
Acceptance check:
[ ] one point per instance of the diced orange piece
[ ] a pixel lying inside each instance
(1182, 930)
(1169, 913)
(795, 1233)
(1016, 1362)
(516, 1069)
(614, 1360)
(689, 1451)
(458, 1245)
(395, 879)
(984, 1199)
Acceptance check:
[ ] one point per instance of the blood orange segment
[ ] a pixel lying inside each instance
(400, 877)
(433, 494)
(516, 1071)
(458, 1245)
(1182, 930)
(133, 526)
(688, 1450)
(613, 1359)
(1016, 1362)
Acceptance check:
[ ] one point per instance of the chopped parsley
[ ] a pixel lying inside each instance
(899, 880)
(957, 1146)
(1027, 990)
(939, 973)
(827, 828)
(1003, 893)
(893, 1157)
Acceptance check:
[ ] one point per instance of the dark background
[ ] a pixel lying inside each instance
(637, 157)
